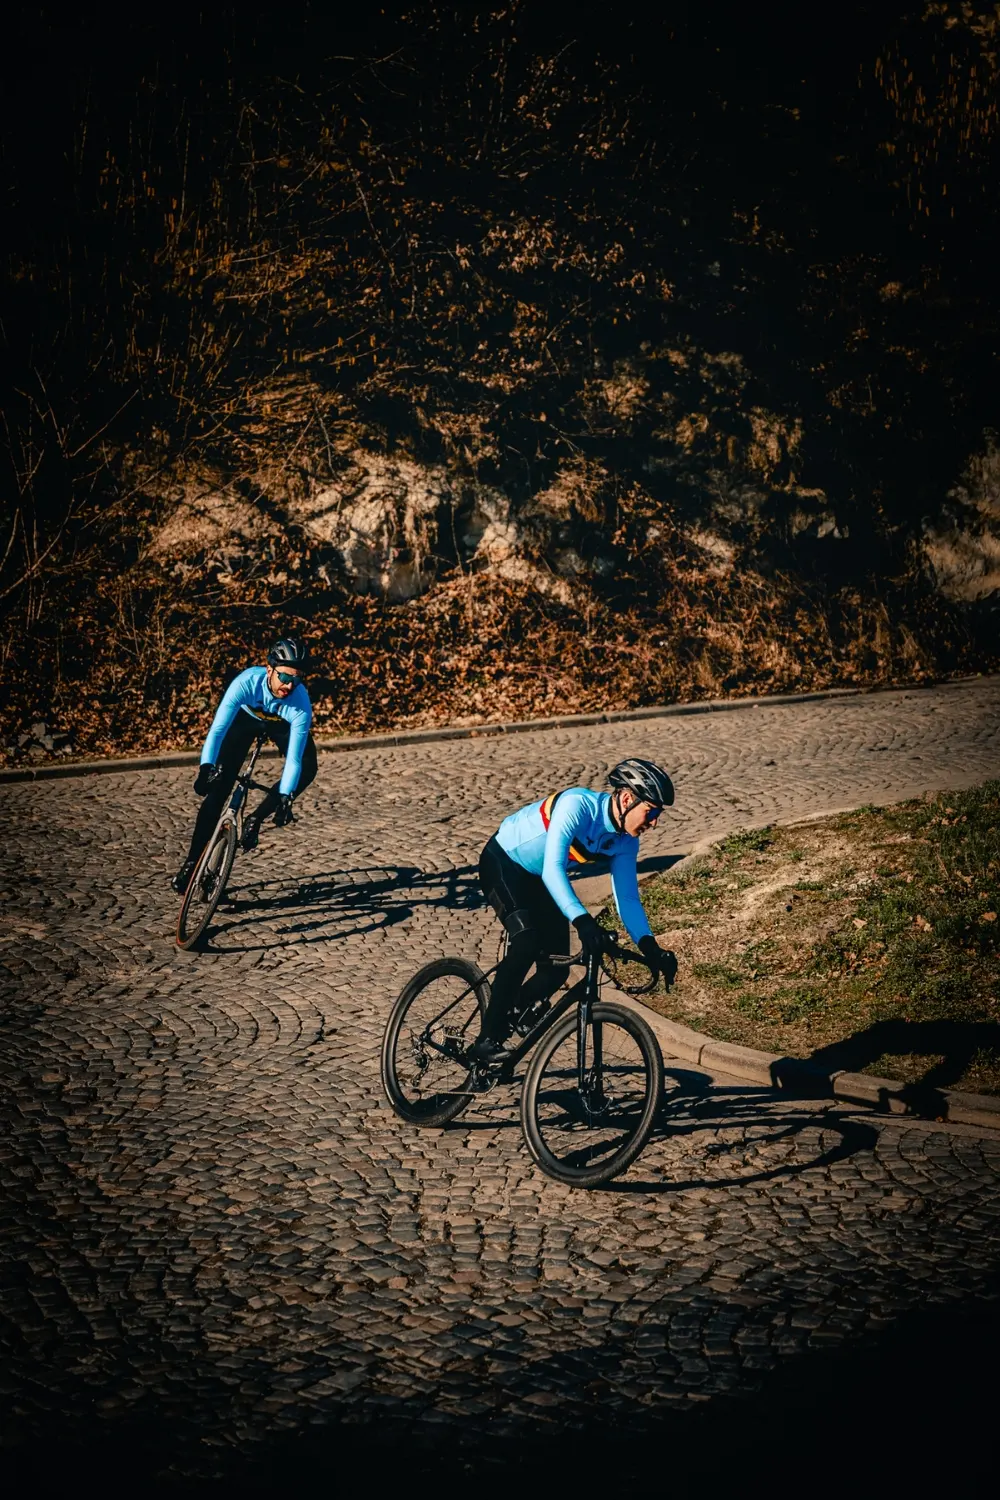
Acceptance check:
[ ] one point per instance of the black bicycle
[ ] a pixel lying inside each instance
(593, 1087)
(208, 879)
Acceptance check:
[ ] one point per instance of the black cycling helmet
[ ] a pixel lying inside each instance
(649, 782)
(288, 652)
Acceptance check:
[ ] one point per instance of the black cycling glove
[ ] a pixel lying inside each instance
(593, 937)
(283, 812)
(207, 773)
(659, 958)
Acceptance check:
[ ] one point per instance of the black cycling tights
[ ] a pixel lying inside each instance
(239, 737)
(537, 929)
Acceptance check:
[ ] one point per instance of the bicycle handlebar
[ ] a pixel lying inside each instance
(613, 950)
(628, 955)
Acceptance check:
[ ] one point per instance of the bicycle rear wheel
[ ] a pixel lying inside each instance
(432, 1025)
(586, 1138)
(206, 885)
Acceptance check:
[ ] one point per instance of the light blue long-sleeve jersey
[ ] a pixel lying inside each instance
(249, 692)
(582, 818)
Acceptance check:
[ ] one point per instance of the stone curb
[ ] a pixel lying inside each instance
(803, 1079)
(406, 737)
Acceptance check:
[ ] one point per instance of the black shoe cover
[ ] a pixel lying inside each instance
(182, 879)
(486, 1050)
(251, 833)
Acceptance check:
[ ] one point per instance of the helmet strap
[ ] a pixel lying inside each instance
(617, 816)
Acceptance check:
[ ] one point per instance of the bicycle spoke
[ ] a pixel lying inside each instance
(207, 886)
(588, 1134)
(434, 1022)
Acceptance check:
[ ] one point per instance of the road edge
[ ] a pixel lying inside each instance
(404, 737)
(802, 1079)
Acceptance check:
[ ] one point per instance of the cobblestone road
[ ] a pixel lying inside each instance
(209, 1215)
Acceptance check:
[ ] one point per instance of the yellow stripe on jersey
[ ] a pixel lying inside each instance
(577, 853)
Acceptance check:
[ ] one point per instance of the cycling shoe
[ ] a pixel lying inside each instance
(182, 879)
(486, 1050)
(251, 833)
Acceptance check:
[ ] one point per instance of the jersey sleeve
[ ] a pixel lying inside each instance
(233, 699)
(625, 884)
(298, 734)
(569, 812)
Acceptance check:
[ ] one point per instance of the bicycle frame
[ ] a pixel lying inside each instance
(583, 993)
(242, 787)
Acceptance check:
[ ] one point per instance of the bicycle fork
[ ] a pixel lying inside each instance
(589, 1082)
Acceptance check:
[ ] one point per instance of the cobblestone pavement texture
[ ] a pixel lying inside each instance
(210, 1214)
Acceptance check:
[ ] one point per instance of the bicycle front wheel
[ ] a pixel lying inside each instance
(432, 1025)
(584, 1137)
(207, 884)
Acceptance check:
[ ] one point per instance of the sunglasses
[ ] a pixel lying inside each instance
(653, 814)
(292, 677)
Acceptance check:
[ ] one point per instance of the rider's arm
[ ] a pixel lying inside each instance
(233, 699)
(567, 815)
(625, 885)
(299, 733)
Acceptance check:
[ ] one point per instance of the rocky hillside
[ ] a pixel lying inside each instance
(521, 366)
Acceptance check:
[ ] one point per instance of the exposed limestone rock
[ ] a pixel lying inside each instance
(205, 513)
(721, 552)
(965, 555)
(391, 519)
(382, 516)
(492, 539)
(812, 517)
(487, 530)
(521, 570)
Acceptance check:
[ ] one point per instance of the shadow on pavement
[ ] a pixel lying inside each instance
(911, 1407)
(697, 1105)
(315, 910)
(956, 1045)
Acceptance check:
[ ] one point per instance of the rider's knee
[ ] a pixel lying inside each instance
(519, 924)
(522, 950)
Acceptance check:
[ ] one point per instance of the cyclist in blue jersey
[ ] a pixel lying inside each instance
(272, 699)
(522, 871)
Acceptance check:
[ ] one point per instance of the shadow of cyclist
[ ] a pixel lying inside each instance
(955, 1045)
(337, 905)
(696, 1106)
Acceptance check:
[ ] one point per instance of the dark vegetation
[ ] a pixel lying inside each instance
(869, 941)
(708, 298)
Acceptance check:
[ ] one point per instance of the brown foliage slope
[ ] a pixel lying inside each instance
(527, 256)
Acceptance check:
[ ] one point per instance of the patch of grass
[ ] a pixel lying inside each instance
(790, 1003)
(755, 957)
(718, 974)
(898, 926)
(746, 841)
(694, 891)
(754, 1006)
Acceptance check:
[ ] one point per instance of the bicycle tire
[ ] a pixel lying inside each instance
(406, 1058)
(208, 881)
(552, 1110)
